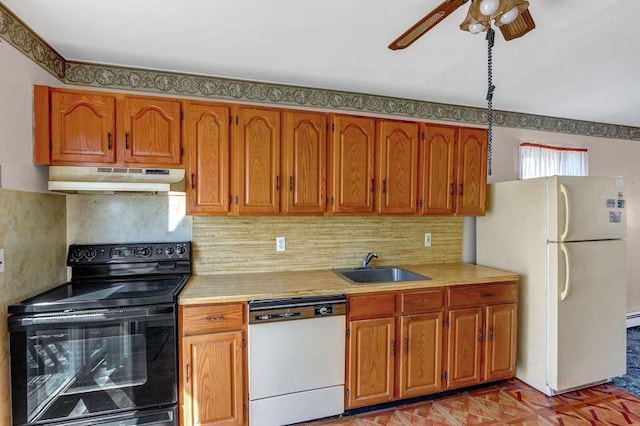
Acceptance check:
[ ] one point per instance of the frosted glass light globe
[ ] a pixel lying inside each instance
(476, 28)
(489, 7)
(509, 16)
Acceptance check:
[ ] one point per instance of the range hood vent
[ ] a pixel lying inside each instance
(114, 179)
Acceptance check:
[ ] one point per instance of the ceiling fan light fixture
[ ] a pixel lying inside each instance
(477, 28)
(509, 10)
(509, 16)
(489, 7)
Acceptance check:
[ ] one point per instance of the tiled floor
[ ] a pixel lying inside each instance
(510, 403)
(631, 382)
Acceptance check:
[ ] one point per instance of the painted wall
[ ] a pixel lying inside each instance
(18, 74)
(32, 233)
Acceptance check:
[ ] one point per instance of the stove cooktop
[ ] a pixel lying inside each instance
(105, 293)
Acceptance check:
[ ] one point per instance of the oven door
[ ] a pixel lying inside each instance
(70, 365)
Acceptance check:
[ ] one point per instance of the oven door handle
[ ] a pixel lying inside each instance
(156, 313)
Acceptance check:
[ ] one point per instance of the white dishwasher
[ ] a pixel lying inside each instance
(296, 359)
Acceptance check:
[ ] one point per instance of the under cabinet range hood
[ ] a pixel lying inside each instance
(115, 179)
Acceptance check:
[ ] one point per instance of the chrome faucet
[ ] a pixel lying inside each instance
(368, 258)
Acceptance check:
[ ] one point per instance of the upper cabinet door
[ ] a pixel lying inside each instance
(398, 172)
(472, 172)
(257, 159)
(82, 127)
(206, 135)
(304, 158)
(437, 169)
(150, 131)
(352, 165)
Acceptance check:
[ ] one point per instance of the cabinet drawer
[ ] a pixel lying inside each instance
(474, 295)
(372, 306)
(422, 301)
(211, 318)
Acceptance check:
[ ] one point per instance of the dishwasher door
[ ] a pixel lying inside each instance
(296, 370)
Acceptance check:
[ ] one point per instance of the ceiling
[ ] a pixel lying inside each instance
(581, 62)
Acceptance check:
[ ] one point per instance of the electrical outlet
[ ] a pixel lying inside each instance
(1, 260)
(281, 244)
(427, 239)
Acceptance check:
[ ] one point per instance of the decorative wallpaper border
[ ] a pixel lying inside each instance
(23, 38)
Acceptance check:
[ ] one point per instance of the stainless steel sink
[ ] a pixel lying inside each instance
(380, 274)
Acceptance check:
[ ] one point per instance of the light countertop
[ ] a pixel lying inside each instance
(242, 287)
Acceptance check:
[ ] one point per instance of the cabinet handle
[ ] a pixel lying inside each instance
(126, 140)
(491, 334)
(405, 346)
(187, 375)
(109, 141)
(193, 180)
(216, 318)
(486, 295)
(461, 188)
(480, 335)
(384, 186)
(453, 188)
(290, 183)
(372, 185)
(393, 348)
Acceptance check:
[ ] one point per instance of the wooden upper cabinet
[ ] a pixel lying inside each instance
(150, 130)
(500, 349)
(212, 379)
(82, 127)
(471, 172)
(351, 175)
(304, 162)
(398, 167)
(206, 137)
(257, 160)
(464, 347)
(421, 354)
(437, 158)
(370, 378)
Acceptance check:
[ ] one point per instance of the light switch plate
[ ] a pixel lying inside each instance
(281, 244)
(427, 239)
(1, 260)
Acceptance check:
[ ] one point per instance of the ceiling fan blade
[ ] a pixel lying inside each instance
(522, 25)
(425, 24)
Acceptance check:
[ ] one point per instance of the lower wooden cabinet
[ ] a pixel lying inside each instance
(212, 365)
(421, 355)
(371, 361)
(410, 343)
(213, 379)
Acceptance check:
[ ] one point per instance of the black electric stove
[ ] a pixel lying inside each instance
(101, 349)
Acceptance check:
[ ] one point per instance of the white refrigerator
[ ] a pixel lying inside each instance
(565, 236)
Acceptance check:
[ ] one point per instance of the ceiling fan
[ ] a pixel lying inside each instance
(511, 16)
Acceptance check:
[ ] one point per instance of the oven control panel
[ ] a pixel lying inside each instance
(80, 254)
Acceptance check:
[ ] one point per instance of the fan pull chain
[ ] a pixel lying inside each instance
(490, 89)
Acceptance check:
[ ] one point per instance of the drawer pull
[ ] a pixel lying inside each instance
(216, 318)
(486, 295)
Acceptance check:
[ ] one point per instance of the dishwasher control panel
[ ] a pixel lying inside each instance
(263, 311)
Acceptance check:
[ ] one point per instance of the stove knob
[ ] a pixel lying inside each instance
(77, 254)
(181, 250)
(170, 251)
(146, 251)
(90, 253)
(323, 311)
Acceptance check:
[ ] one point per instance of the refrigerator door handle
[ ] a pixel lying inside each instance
(565, 232)
(567, 281)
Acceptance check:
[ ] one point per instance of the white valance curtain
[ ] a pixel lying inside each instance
(538, 160)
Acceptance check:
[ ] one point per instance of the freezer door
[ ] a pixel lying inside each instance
(587, 313)
(586, 208)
